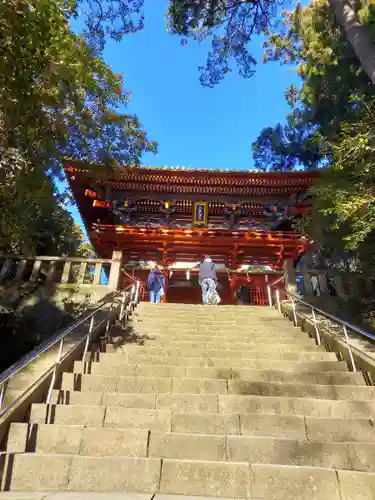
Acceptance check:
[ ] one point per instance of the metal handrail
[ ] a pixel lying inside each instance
(43, 347)
(316, 310)
(333, 317)
(277, 293)
(277, 281)
(129, 293)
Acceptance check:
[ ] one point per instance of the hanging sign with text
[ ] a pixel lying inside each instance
(200, 215)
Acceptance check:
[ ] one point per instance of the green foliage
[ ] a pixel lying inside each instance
(349, 190)
(229, 24)
(331, 75)
(86, 251)
(284, 148)
(32, 217)
(58, 100)
(112, 19)
(330, 125)
(333, 83)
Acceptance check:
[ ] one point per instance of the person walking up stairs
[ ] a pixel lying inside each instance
(228, 402)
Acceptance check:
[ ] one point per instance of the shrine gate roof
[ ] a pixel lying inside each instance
(181, 180)
(152, 183)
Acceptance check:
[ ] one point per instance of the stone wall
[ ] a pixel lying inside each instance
(39, 296)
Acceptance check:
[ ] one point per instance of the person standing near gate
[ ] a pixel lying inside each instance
(155, 285)
(208, 281)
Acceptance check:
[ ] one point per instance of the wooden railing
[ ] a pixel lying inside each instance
(60, 270)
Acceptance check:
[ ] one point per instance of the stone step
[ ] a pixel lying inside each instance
(217, 336)
(234, 333)
(228, 356)
(299, 427)
(195, 323)
(243, 320)
(222, 312)
(275, 482)
(51, 472)
(162, 385)
(204, 342)
(212, 342)
(235, 350)
(297, 406)
(194, 317)
(317, 429)
(93, 495)
(218, 329)
(145, 305)
(325, 378)
(79, 440)
(235, 363)
(251, 321)
(199, 309)
(218, 315)
(211, 403)
(183, 477)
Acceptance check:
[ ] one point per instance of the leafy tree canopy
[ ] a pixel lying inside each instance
(33, 219)
(230, 24)
(58, 99)
(331, 125)
(332, 86)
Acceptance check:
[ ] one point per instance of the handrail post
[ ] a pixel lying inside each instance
(137, 292)
(317, 334)
(108, 323)
(121, 315)
(295, 321)
(132, 295)
(349, 348)
(278, 300)
(53, 379)
(2, 393)
(91, 328)
(269, 295)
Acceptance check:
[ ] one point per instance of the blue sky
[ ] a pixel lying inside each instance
(195, 127)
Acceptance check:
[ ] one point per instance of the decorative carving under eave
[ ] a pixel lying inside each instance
(233, 212)
(205, 189)
(168, 209)
(123, 213)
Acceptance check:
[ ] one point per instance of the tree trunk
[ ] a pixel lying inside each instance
(356, 33)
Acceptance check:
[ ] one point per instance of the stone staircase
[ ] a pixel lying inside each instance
(203, 401)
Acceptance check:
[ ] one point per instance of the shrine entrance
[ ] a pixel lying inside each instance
(182, 290)
(251, 289)
(173, 217)
(236, 289)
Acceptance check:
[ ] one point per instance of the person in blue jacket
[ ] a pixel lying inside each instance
(155, 285)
